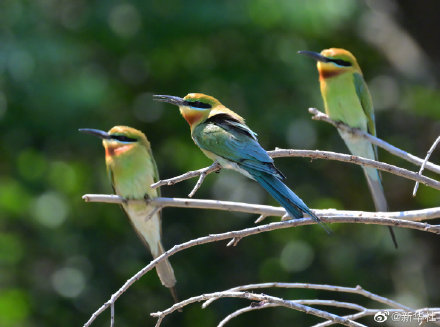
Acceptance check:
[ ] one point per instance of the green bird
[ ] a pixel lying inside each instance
(223, 136)
(348, 100)
(132, 169)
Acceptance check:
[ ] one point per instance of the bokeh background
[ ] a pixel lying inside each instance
(68, 64)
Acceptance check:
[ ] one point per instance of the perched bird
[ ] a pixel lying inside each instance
(132, 169)
(223, 136)
(348, 100)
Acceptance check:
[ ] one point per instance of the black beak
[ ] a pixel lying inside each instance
(315, 55)
(96, 132)
(169, 99)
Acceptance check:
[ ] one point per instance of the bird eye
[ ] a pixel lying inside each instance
(198, 104)
(123, 138)
(341, 62)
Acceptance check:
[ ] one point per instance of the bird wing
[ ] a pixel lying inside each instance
(155, 170)
(367, 103)
(233, 141)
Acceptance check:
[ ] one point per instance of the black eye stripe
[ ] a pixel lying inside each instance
(123, 138)
(340, 62)
(198, 104)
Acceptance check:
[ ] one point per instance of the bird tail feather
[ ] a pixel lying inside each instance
(165, 271)
(378, 194)
(363, 148)
(285, 196)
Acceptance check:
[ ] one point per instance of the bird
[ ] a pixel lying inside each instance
(224, 137)
(132, 169)
(347, 99)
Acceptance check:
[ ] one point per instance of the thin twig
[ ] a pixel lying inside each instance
(260, 298)
(318, 115)
(244, 310)
(324, 287)
(260, 219)
(317, 154)
(112, 314)
(428, 155)
(152, 213)
(171, 181)
(240, 234)
(339, 304)
(234, 241)
(198, 184)
(347, 216)
(328, 155)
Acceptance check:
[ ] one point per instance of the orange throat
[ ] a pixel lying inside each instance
(192, 116)
(116, 150)
(329, 72)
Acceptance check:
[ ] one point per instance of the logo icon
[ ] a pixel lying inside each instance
(381, 316)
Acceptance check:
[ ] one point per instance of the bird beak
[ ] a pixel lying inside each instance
(96, 132)
(169, 99)
(315, 55)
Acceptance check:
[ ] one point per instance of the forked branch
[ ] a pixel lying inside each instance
(267, 301)
(313, 154)
(318, 115)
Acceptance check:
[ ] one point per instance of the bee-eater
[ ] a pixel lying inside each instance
(223, 136)
(348, 100)
(132, 169)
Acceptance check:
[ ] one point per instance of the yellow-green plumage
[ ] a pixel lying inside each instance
(132, 169)
(347, 99)
(223, 136)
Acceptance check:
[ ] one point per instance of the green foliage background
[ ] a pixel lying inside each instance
(68, 64)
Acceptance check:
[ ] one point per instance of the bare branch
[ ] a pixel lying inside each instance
(198, 184)
(324, 287)
(428, 155)
(354, 316)
(112, 314)
(318, 115)
(314, 154)
(260, 298)
(244, 233)
(194, 173)
(233, 242)
(328, 215)
(304, 302)
(244, 310)
(260, 219)
(367, 218)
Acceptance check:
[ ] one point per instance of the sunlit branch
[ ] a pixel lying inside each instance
(313, 154)
(262, 298)
(318, 115)
(323, 287)
(328, 215)
(368, 218)
(428, 155)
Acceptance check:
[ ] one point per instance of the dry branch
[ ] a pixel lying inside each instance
(267, 301)
(318, 115)
(328, 215)
(332, 218)
(428, 155)
(323, 287)
(244, 233)
(262, 298)
(313, 154)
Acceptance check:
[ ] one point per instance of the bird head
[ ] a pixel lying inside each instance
(194, 107)
(120, 141)
(333, 62)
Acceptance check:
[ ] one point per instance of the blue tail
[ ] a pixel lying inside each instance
(285, 196)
